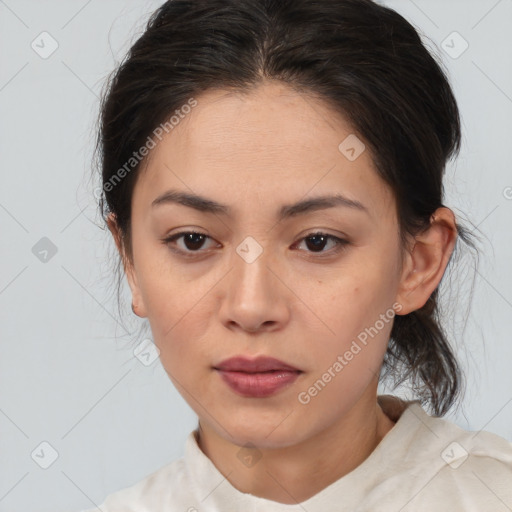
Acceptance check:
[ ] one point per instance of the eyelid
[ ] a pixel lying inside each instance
(340, 243)
(187, 254)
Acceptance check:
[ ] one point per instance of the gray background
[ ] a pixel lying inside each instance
(68, 376)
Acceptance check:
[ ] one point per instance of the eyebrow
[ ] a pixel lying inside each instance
(206, 205)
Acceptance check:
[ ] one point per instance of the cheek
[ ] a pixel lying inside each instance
(170, 292)
(343, 364)
(355, 306)
(180, 315)
(354, 300)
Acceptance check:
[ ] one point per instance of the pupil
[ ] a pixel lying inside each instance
(195, 240)
(192, 239)
(319, 238)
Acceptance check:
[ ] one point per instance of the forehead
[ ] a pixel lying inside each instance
(272, 119)
(270, 143)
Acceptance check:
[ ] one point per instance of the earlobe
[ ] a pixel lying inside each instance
(424, 265)
(138, 307)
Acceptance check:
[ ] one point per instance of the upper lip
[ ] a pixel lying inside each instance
(254, 365)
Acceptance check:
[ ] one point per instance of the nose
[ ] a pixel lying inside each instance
(255, 297)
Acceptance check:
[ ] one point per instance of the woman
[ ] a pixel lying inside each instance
(273, 180)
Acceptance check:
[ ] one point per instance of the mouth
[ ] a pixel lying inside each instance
(258, 378)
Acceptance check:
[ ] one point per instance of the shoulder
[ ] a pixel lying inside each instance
(151, 494)
(477, 471)
(451, 468)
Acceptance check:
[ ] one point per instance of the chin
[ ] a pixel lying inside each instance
(266, 431)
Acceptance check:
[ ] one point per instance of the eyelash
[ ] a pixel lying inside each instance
(340, 243)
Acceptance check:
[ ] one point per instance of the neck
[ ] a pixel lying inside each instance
(295, 473)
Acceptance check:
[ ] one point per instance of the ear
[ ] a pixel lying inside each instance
(424, 265)
(137, 302)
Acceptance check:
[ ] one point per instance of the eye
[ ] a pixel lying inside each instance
(317, 241)
(192, 242)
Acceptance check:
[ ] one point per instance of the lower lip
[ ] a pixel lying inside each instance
(258, 385)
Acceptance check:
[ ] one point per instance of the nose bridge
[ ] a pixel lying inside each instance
(253, 297)
(251, 276)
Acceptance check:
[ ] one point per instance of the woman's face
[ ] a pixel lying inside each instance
(259, 283)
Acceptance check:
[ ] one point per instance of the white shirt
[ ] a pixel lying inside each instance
(423, 464)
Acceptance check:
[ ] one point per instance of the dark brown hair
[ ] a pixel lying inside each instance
(364, 60)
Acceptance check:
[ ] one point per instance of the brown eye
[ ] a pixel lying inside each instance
(316, 242)
(192, 242)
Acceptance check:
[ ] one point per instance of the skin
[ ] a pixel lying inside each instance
(255, 153)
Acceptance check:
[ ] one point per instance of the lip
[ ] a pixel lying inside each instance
(259, 377)
(256, 365)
